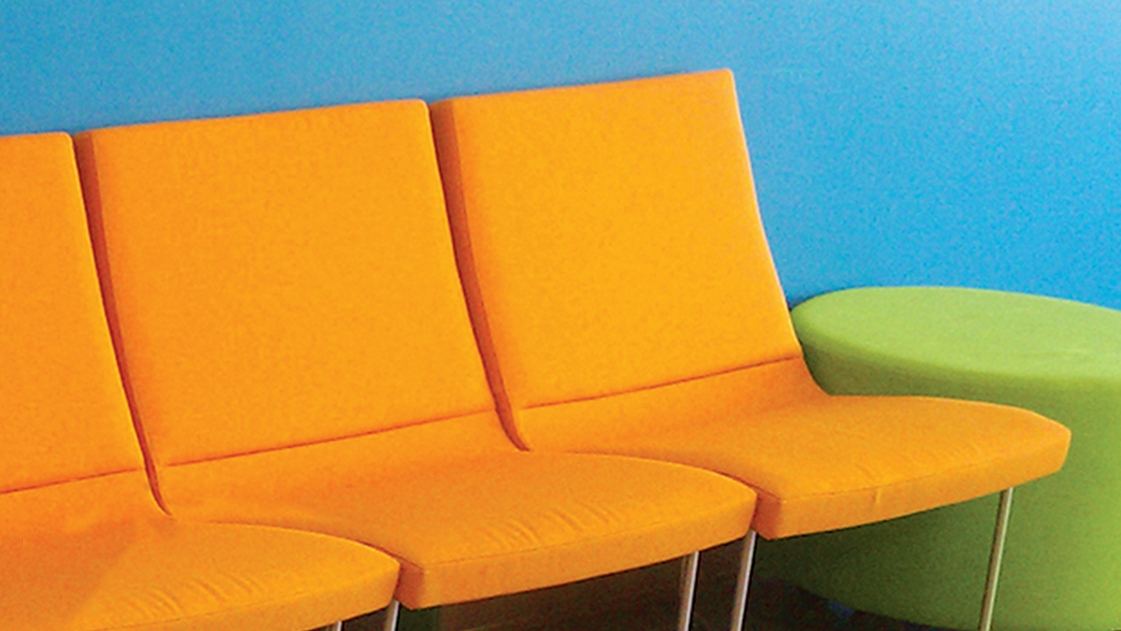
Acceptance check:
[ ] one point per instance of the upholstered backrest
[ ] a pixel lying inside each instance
(281, 279)
(63, 414)
(610, 237)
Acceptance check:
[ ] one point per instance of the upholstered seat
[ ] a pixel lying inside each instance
(83, 544)
(625, 299)
(297, 344)
(1057, 357)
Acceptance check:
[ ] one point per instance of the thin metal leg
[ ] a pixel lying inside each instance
(391, 612)
(338, 626)
(688, 590)
(1002, 515)
(739, 605)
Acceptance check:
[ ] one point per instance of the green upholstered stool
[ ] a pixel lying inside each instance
(1062, 559)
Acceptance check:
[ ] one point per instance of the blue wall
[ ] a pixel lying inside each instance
(967, 142)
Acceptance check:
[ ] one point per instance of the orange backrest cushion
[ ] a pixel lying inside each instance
(610, 237)
(63, 414)
(281, 279)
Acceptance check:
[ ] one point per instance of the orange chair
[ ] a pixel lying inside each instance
(83, 545)
(625, 302)
(298, 352)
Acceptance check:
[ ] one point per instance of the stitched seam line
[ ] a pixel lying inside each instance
(326, 440)
(661, 385)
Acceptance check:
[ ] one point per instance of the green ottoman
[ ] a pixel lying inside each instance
(1062, 559)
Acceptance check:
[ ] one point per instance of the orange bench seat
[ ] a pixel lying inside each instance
(298, 350)
(625, 299)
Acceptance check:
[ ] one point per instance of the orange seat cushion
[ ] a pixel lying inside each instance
(472, 517)
(622, 291)
(822, 462)
(97, 554)
(299, 353)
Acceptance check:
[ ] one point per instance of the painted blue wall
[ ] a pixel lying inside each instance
(966, 142)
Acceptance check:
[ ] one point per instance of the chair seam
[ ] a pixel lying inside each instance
(666, 384)
(325, 441)
(44, 485)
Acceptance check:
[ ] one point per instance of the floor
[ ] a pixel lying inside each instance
(646, 600)
(774, 606)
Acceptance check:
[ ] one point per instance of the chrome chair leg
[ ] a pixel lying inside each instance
(391, 612)
(743, 580)
(688, 590)
(1001, 531)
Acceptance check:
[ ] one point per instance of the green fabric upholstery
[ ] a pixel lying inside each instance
(1062, 564)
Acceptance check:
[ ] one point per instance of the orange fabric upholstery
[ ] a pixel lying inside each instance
(97, 554)
(299, 354)
(83, 545)
(601, 191)
(623, 294)
(55, 339)
(264, 268)
(466, 528)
